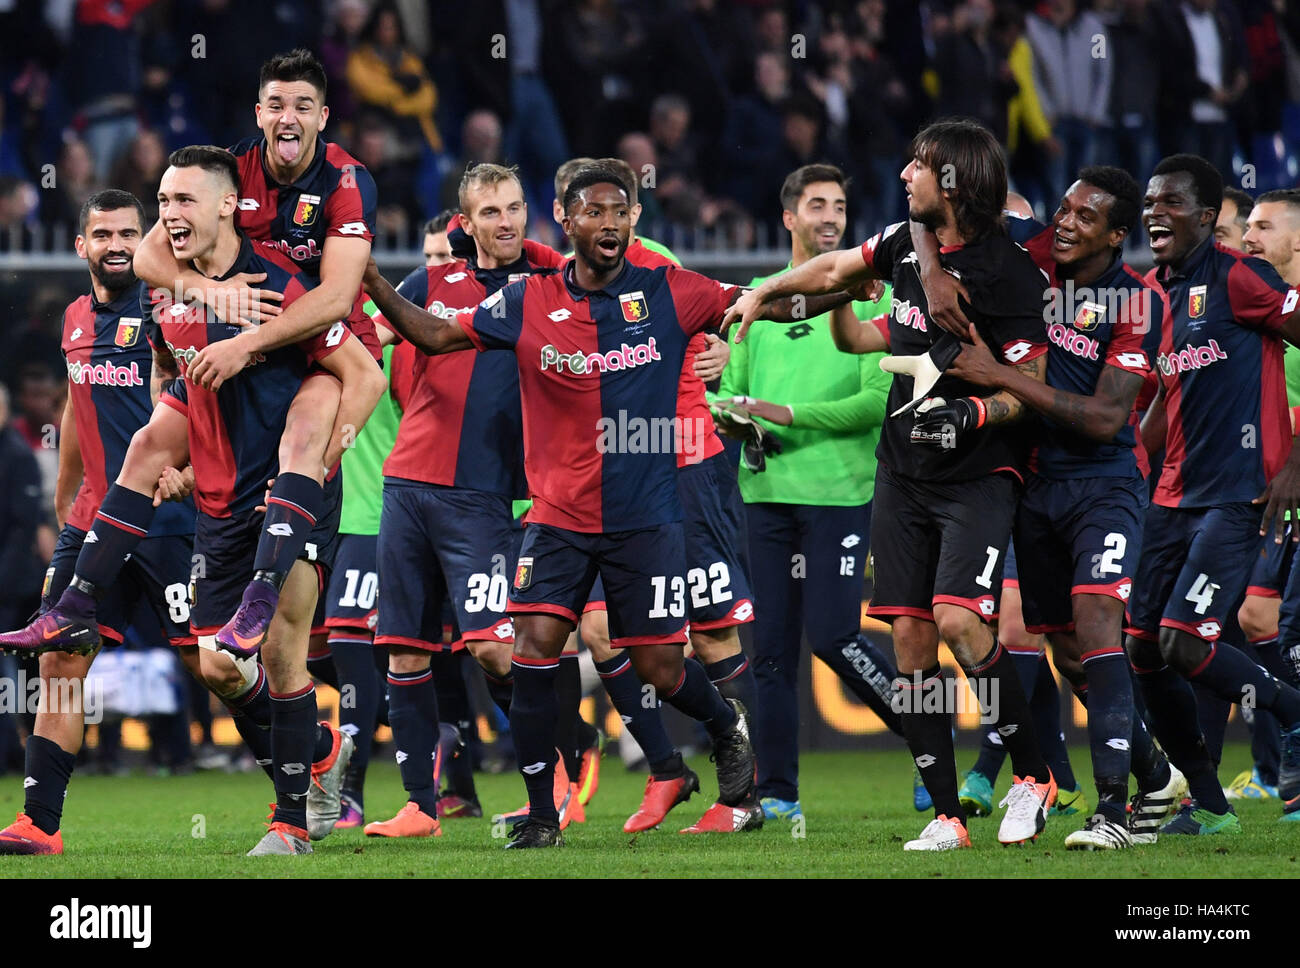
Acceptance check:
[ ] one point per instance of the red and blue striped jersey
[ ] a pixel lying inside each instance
(1220, 365)
(461, 423)
(234, 434)
(1114, 321)
(598, 376)
(334, 198)
(109, 363)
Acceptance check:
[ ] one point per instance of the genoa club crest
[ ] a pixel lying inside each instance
(524, 573)
(634, 306)
(305, 213)
(1089, 315)
(1196, 302)
(128, 331)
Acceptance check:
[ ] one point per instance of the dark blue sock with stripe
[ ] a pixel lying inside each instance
(1234, 677)
(291, 513)
(251, 713)
(997, 676)
(500, 688)
(48, 770)
(696, 697)
(359, 691)
(1045, 708)
(413, 715)
(122, 521)
(533, 712)
(1110, 729)
(734, 678)
(454, 709)
(1212, 716)
(294, 731)
(1171, 707)
(568, 700)
(639, 710)
(992, 752)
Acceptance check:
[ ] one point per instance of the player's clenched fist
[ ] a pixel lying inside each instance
(939, 423)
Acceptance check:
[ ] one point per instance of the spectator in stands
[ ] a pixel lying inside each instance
(437, 247)
(398, 210)
(1205, 76)
(975, 80)
(18, 203)
(385, 74)
(480, 138)
(1134, 38)
(1030, 144)
(638, 151)
(754, 154)
(21, 512)
(140, 170)
(609, 70)
(1073, 83)
(341, 39)
(74, 181)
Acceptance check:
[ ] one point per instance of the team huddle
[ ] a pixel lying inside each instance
(323, 475)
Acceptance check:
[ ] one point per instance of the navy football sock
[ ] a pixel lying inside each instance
(1045, 707)
(294, 731)
(568, 697)
(929, 738)
(992, 752)
(454, 708)
(533, 711)
(868, 673)
(1172, 708)
(251, 713)
(48, 770)
(995, 676)
(696, 697)
(413, 713)
(121, 522)
(358, 701)
(500, 689)
(1110, 730)
(734, 678)
(291, 512)
(1212, 717)
(1234, 677)
(321, 666)
(642, 721)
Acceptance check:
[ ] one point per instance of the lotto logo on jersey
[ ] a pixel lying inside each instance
(624, 358)
(128, 331)
(524, 573)
(1208, 630)
(1074, 342)
(305, 212)
(1190, 358)
(634, 306)
(1196, 302)
(1088, 316)
(104, 374)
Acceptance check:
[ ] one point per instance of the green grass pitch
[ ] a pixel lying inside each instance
(858, 813)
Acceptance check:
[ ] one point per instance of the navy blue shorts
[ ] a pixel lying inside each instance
(939, 543)
(1078, 537)
(718, 588)
(1011, 570)
(1272, 567)
(157, 574)
(439, 541)
(352, 599)
(643, 575)
(1194, 569)
(225, 549)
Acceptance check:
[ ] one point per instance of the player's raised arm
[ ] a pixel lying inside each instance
(788, 296)
(942, 291)
(235, 300)
(1098, 416)
(426, 332)
(71, 466)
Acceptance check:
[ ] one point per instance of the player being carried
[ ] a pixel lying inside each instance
(600, 341)
(314, 203)
(229, 434)
(948, 482)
